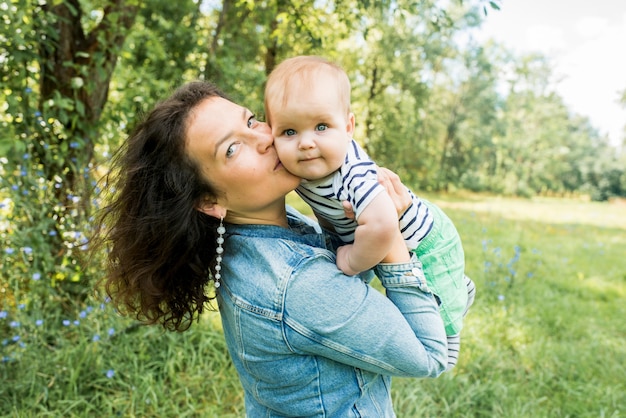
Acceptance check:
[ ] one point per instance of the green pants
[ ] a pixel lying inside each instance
(443, 260)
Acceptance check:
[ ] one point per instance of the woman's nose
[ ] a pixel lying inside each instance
(265, 140)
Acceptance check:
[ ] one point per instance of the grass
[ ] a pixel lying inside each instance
(545, 338)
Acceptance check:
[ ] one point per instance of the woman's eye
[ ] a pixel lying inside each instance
(231, 150)
(321, 127)
(252, 121)
(289, 132)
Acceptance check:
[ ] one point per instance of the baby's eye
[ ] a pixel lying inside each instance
(289, 132)
(321, 127)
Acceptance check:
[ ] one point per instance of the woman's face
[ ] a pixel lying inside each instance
(237, 156)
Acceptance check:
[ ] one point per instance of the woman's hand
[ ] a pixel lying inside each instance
(395, 189)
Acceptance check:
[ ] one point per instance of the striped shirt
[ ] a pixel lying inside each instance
(357, 182)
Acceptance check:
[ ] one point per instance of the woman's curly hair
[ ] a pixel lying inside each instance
(159, 248)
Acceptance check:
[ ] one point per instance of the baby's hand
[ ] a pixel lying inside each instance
(343, 260)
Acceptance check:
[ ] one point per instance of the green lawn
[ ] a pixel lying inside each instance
(546, 336)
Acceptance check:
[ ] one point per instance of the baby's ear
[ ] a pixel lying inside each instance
(350, 124)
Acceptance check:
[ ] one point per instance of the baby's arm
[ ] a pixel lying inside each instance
(377, 238)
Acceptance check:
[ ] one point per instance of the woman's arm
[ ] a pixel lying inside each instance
(339, 317)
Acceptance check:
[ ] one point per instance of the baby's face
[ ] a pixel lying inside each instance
(311, 131)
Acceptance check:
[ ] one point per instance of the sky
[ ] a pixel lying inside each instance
(586, 43)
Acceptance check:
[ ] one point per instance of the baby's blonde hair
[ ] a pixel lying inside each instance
(299, 71)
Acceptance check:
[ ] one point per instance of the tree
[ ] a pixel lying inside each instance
(399, 73)
(57, 63)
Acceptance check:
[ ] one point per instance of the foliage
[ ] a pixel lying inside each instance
(549, 307)
(56, 66)
(444, 112)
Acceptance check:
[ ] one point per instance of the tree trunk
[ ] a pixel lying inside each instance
(91, 56)
(76, 69)
(211, 71)
(370, 99)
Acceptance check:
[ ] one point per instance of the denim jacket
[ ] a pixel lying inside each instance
(309, 341)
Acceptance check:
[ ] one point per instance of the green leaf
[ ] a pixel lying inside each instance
(6, 145)
(80, 108)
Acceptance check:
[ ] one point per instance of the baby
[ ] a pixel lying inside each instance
(307, 104)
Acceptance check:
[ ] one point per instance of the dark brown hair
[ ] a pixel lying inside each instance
(160, 249)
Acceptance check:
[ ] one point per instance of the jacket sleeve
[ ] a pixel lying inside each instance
(329, 314)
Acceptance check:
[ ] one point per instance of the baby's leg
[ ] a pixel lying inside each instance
(454, 341)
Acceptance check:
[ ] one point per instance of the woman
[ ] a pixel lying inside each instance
(201, 199)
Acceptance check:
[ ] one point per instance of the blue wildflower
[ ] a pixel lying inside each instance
(9, 250)
(110, 373)
(95, 338)
(36, 276)
(66, 322)
(3, 314)
(39, 322)
(28, 250)
(14, 324)
(111, 331)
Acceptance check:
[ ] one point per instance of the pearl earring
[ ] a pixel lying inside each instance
(219, 250)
